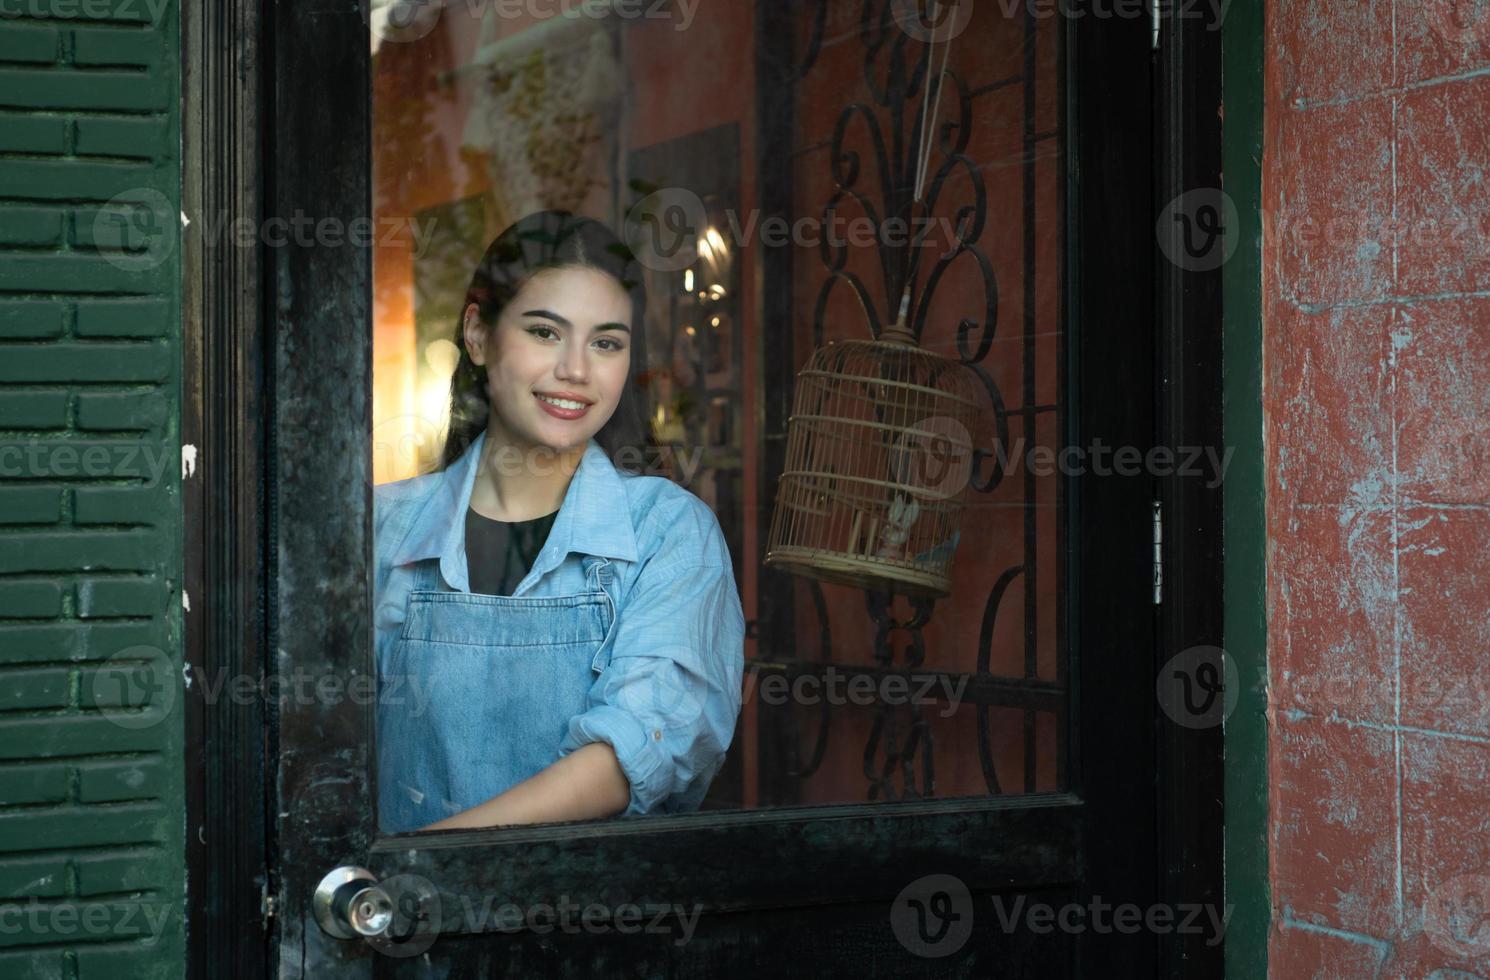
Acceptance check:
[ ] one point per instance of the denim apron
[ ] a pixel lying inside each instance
(499, 678)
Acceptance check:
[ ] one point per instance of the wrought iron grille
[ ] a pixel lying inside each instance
(873, 154)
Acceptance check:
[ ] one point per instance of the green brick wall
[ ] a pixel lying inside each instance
(91, 799)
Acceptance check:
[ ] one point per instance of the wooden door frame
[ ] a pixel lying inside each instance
(1189, 358)
(246, 381)
(228, 848)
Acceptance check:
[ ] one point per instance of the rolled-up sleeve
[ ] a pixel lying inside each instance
(669, 697)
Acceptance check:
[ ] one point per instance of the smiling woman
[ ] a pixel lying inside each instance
(603, 673)
(547, 316)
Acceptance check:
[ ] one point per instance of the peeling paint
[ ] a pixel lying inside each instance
(1377, 428)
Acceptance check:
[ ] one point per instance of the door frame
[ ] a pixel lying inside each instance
(247, 386)
(229, 846)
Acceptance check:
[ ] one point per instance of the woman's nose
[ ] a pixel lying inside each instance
(574, 365)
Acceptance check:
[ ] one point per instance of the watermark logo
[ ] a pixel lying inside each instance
(1198, 231)
(417, 916)
(570, 918)
(932, 20)
(1100, 459)
(1128, 918)
(66, 920)
(836, 686)
(937, 232)
(135, 688)
(93, 459)
(136, 230)
(933, 915)
(1456, 916)
(301, 230)
(1460, 23)
(406, 446)
(933, 458)
(1212, 12)
(119, 10)
(665, 229)
(1198, 687)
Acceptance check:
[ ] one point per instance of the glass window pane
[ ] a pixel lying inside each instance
(769, 171)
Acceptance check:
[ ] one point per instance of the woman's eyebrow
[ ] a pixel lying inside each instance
(564, 322)
(548, 315)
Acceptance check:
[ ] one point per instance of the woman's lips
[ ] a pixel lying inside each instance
(568, 414)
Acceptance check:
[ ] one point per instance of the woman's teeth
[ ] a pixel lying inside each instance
(563, 402)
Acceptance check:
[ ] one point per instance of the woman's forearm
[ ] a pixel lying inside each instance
(585, 784)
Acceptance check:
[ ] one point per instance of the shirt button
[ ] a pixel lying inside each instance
(657, 735)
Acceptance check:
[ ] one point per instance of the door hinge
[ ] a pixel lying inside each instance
(1158, 552)
(1156, 22)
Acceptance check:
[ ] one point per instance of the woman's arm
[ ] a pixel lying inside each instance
(583, 785)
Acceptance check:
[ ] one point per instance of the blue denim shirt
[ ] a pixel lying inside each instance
(628, 630)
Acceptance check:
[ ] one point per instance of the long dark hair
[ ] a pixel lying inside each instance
(542, 241)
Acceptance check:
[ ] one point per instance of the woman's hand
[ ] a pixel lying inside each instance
(584, 785)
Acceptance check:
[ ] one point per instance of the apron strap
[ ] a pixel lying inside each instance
(598, 573)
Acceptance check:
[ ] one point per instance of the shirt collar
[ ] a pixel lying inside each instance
(588, 521)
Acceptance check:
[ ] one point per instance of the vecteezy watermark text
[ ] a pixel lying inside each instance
(934, 916)
(90, 460)
(410, 443)
(1101, 459)
(304, 688)
(1212, 11)
(1073, 918)
(70, 918)
(839, 687)
(139, 229)
(595, 918)
(137, 688)
(421, 912)
(839, 231)
(307, 231)
(84, 9)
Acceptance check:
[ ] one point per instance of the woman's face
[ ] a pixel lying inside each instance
(557, 358)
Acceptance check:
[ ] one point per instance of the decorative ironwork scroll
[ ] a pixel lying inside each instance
(874, 154)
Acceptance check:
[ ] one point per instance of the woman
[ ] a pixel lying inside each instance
(558, 639)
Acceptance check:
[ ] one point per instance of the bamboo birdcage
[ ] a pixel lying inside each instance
(878, 460)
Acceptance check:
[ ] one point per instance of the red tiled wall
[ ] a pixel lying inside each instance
(1377, 408)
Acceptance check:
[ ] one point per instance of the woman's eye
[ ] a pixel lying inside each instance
(608, 344)
(542, 332)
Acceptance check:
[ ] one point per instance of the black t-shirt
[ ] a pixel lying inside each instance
(499, 553)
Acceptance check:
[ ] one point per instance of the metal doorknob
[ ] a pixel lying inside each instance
(350, 903)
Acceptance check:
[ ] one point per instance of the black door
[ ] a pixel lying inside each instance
(950, 833)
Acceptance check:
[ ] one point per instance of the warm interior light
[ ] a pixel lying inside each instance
(442, 356)
(716, 241)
